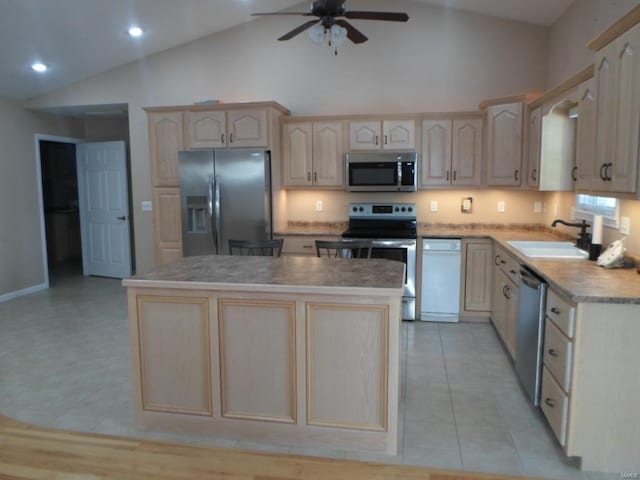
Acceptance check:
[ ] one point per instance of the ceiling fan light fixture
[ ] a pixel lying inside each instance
(316, 34)
(338, 36)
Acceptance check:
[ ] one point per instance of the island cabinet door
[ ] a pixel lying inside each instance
(347, 365)
(174, 354)
(257, 341)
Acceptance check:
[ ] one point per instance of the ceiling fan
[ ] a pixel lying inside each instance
(330, 14)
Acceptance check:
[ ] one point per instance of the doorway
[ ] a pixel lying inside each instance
(61, 208)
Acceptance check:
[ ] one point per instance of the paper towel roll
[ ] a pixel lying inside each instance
(596, 230)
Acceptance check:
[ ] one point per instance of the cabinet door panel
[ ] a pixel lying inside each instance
(623, 172)
(297, 154)
(504, 144)
(586, 160)
(466, 159)
(247, 128)
(477, 279)
(167, 224)
(533, 147)
(606, 99)
(165, 141)
(436, 153)
(399, 135)
(205, 129)
(364, 135)
(328, 152)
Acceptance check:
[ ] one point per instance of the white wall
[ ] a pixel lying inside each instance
(441, 60)
(21, 262)
(578, 25)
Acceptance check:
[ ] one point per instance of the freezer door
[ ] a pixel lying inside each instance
(196, 193)
(242, 196)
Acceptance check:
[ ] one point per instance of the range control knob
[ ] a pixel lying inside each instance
(403, 209)
(410, 209)
(355, 209)
(362, 209)
(397, 209)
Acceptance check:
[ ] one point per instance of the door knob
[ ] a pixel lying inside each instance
(123, 218)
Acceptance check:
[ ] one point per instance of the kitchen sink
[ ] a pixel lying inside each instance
(542, 249)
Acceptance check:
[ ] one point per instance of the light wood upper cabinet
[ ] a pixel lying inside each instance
(247, 128)
(504, 144)
(205, 129)
(364, 135)
(451, 152)
(586, 161)
(399, 135)
(436, 153)
(165, 141)
(533, 147)
(328, 154)
(466, 161)
(382, 135)
(297, 154)
(618, 122)
(313, 154)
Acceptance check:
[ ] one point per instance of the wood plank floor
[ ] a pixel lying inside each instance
(29, 452)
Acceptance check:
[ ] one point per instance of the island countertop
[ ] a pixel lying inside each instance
(291, 274)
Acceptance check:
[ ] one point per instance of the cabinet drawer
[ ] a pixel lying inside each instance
(562, 313)
(558, 354)
(507, 264)
(555, 406)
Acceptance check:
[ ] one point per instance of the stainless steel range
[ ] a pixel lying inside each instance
(391, 227)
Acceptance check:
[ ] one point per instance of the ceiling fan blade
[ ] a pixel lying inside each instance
(353, 34)
(304, 14)
(300, 29)
(385, 16)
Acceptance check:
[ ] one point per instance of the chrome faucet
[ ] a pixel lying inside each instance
(584, 239)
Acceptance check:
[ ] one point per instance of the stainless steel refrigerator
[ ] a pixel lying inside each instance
(225, 194)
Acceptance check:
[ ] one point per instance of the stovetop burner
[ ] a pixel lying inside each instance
(375, 220)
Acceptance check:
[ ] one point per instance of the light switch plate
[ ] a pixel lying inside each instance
(625, 225)
(319, 206)
(146, 206)
(434, 205)
(501, 206)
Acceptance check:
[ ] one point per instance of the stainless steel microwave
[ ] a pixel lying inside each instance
(381, 171)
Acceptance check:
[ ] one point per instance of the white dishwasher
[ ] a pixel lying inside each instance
(441, 265)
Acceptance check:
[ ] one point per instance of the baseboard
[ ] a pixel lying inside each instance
(25, 291)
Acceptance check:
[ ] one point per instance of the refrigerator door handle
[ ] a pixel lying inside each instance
(217, 219)
(214, 232)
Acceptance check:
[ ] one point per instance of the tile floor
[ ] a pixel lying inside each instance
(65, 362)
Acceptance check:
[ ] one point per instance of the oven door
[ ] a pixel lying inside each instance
(401, 250)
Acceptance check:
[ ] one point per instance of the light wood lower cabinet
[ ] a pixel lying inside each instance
(478, 277)
(504, 307)
(311, 369)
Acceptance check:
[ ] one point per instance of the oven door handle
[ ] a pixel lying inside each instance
(394, 243)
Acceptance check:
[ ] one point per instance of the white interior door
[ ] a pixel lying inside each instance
(104, 209)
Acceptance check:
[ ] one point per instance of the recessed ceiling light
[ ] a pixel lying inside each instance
(135, 32)
(39, 67)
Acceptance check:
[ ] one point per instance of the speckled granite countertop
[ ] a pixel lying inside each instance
(286, 274)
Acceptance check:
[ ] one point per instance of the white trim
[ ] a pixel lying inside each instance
(25, 291)
(43, 232)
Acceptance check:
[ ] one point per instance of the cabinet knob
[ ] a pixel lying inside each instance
(534, 174)
(222, 138)
(607, 176)
(455, 174)
(231, 138)
(516, 175)
(550, 402)
(552, 352)
(308, 176)
(315, 176)
(447, 175)
(377, 140)
(386, 142)
(555, 310)
(574, 173)
(602, 167)
(497, 260)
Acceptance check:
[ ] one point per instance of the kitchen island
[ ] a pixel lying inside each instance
(289, 350)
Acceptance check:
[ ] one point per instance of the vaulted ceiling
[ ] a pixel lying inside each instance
(81, 38)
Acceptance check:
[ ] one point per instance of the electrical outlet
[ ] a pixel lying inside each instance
(434, 205)
(319, 206)
(625, 225)
(146, 206)
(537, 207)
(501, 206)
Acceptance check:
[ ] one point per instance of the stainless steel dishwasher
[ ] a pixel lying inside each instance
(530, 339)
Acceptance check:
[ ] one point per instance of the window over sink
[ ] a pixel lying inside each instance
(589, 205)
